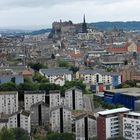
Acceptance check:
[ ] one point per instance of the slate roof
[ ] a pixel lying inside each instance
(100, 71)
(55, 71)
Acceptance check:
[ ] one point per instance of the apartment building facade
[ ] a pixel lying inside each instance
(74, 99)
(110, 123)
(32, 97)
(85, 127)
(60, 119)
(99, 78)
(131, 126)
(57, 75)
(19, 119)
(8, 102)
(40, 113)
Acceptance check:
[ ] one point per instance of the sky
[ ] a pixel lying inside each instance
(41, 13)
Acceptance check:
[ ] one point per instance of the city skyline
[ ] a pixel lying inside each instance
(34, 13)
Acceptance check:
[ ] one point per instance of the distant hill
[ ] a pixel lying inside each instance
(130, 25)
(37, 32)
(15, 32)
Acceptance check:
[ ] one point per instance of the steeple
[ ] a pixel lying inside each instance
(84, 21)
(84, 25)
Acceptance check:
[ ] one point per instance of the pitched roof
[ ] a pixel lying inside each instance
(27, 73)
(39, 103)
(100, 71)
(60, 106)
(55, 71)
(61, 78)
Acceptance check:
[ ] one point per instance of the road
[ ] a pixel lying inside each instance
(88, 103)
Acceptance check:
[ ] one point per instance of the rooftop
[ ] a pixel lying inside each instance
(119, 62)
(100, 71)
(126, 91)
(133, 114)
(8, 92)
(55, 71)
(113, 111)
(35, 92)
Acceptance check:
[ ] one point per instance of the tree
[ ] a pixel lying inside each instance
(13, 79)
(6, 134)
(36, 66)
(52, 56)
(61, 136)
(109, 69)
(63, 64)
(76, 83)
(8, 87)
(48, 86)
(39, 78)
(74, 69)
(27, 80)
(21, 134)
(28, 86)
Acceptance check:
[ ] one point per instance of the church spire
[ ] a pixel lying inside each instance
(84, 25)
(84, 21)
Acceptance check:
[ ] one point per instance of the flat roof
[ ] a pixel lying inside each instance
(132, 94)
(126, 91)
(113, 111)
(113, 62)
(133, 114)
(8, 92)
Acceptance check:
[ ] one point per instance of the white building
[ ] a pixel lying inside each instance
(85, 127)
(19, 119)
(60, 118)
(131, 126)
(57, 75)
(110, 123)
(25, 121)
(74, 99)
(32, 97)
(8, 102)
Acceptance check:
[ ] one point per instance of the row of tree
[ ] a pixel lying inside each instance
(31, 86)
(65, 64)
(14, 134)
(21, 134)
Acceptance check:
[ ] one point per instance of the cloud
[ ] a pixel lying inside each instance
(44, 3)
(44, 12)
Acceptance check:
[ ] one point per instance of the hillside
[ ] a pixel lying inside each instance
(130, 25)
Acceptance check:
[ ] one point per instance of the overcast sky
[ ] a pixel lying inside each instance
(33, 13)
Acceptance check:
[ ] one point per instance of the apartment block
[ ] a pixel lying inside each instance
(54, 98)
(40, 114)
(94, 77)
(32, 97)
(131, 126)
(85, 126)
(110, 123)
(19, 119)
(60, 119)
(8, 102)
(74, 99)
